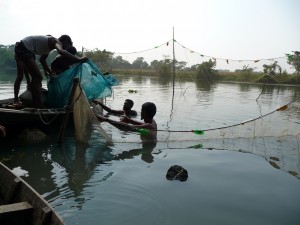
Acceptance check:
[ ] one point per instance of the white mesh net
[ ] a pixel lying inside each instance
(84, 119)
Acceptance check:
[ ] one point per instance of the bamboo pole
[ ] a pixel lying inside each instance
(173, 62)
(69, 108)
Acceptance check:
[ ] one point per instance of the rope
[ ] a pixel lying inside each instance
(40, 111)
(228, 59)
(128, 53)
(284, 107)
(47, 123)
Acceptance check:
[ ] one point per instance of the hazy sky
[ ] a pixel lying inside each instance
(238, 29)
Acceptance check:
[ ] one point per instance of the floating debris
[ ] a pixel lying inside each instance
(293, 173)
(274, 165)
(177, 173)
(274, 158)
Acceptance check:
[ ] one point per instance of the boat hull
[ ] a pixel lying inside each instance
(16, 120)
(21, 204)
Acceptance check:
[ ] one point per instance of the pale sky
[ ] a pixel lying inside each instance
(236, 29)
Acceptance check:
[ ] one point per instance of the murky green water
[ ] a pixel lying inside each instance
(232, 180)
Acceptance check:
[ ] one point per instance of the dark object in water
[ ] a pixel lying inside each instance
(177, 173)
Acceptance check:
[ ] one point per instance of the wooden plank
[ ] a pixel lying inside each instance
(46, 216)
(16, 184)
(20, 206)
(16, 214)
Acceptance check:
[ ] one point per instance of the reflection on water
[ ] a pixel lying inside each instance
(73, 165)
(145, 151)
(232, 179)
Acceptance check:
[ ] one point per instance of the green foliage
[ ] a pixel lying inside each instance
(295, 79)
(100, 58)
(139, 63)
(7, 56)
(268, 79)
(272, 69)
(180, 65)
(162, 67)
(165, 70)
(294, 60)
(105, 60)
(206, 70)
(155, 65)
(246, 74)
(165, 67)
(120, 63)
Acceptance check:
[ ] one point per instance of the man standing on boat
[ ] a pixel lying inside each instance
(26, 51)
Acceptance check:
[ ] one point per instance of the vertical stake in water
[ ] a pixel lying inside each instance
(173, 63)
(172, 106)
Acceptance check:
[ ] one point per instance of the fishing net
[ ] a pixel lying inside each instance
(93, 82)
(85, 120)
(273, 135)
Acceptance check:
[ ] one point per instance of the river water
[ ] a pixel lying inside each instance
(244, 174)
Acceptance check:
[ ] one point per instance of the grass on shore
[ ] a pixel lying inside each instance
(223, 76)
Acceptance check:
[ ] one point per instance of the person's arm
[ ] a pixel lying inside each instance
(54, 43)
(148, 126)
(46, 68)
(125, 126)
(119, 125)
(67, 54)
(106, 108)
(125, 119)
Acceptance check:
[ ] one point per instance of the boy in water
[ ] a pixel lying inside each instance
(149, 140)
(148, 111)
(127, 108)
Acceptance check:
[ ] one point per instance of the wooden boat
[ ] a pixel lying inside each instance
(15, 120)
(21, 204)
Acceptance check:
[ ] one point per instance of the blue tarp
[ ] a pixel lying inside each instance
(92, 81)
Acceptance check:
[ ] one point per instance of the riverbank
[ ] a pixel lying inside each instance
(241, 77)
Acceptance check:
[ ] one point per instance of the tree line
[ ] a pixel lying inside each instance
(107, 61)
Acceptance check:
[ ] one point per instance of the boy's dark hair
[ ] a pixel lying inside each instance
(72, 50)
(130, 102)
(149, 108)
(65, 39)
